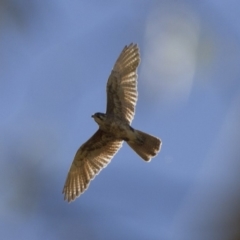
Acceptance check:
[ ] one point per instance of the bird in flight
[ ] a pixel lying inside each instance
(114, 127)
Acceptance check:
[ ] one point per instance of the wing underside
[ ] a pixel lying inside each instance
(89, 160)
(122, 84)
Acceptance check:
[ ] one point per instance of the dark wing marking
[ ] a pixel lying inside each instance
(122, 84)
(89, 160)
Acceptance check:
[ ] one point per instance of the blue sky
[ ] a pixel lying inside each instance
(55, 58)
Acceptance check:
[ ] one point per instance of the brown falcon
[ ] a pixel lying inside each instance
(114, 127)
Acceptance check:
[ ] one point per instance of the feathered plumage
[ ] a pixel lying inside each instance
(114, 127)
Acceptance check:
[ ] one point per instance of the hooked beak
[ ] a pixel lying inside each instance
(92, 116)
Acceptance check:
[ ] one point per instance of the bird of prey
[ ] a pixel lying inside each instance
(114, 127)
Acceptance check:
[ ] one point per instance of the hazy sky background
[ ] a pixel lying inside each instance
(55, 58)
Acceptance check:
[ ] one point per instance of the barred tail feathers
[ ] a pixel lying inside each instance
(145, 145)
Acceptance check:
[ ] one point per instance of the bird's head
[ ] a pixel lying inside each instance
(99, 118)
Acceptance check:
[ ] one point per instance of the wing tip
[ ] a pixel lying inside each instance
(70, 195)
(132, 45)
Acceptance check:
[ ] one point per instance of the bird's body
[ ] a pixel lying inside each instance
(114, 127)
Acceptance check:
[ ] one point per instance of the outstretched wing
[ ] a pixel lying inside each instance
(122, 84)
(89, 160)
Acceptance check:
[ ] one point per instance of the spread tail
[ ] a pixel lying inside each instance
(145, 145)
